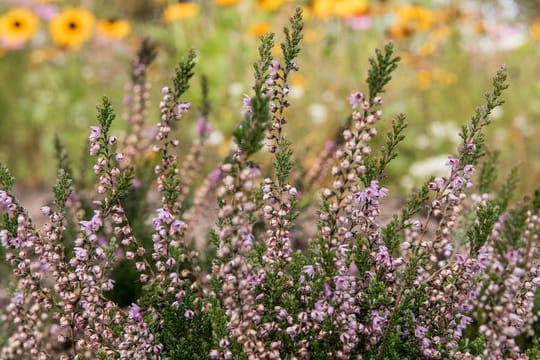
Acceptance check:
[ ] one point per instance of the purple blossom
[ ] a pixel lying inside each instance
(512, 256)
(383, 257)
(135, 313)
(309, 270)
(482, 260)
(377, 321)
(93, 225)
(420, 332)
(215, 176)
(183, 108)
(247, 105)
(18, 299)
(188, 314)
(81, 253)
(369, 198)
(203, 129)
(453, 163)
(176, 226)
(459, 182)
(163, 216)
(341, 282)
(95, 133)
(468, 170)
(355, 98)
(4, 238)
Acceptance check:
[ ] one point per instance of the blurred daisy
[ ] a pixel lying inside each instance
(348, 8)
(259, 29)
(535, 29)
(226, 2)
(418, 17)
(271, 5)
(17, 26)
(318, 113)
(72, 27)
(180, 11)
(114, 28)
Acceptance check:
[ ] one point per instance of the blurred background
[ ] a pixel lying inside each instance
(58, 58)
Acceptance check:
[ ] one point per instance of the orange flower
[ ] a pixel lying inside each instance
(180, 11)
(17, 26)
(271, 5)
(114, 28)
(535, 29)
(259, 29)
(72, 27)
(226, 2)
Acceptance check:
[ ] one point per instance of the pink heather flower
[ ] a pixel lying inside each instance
(247, 105)
(377, 321)
(309, 270)
(95, 133)
(163, 216)
(512, 256)
(93, 225)
(18, 299)
(383, 257)
(135, 313)
(81, 253)
(482, 260)
(188, 314)
(215, 176)
(459, 182)
(420, 332)
(359, 22)
(203, 129)
(453, 163)
(330, 146)
(461, 259)
(468, 170)
(4, 236)
(136, 184)
(355, 99)
(353, 269)
(183, 107)
(177, 225)
(47, 11)
(341, 282)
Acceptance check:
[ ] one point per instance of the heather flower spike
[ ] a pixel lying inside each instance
(112, 273)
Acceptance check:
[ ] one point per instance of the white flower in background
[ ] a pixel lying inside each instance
(422, 142)
(236, 89)
(296, 92)
(318, 113)
(433, 166)
(444, 131)
(215, 138)
(496, 113)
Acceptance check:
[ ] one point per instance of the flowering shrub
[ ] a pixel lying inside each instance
(453, 274)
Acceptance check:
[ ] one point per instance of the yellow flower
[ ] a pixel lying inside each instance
(180, 11)
(535, 29)
(18, 26)
(347, 8)
(226, 2)
(72, 27)
(271, 5)
(298, 80)
(259, 29)
(416, 16)
(398, 31)
(323, 9)
(427, 49)
(425, 78)
(114, 28)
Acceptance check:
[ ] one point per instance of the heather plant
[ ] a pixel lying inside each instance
(452, 274)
